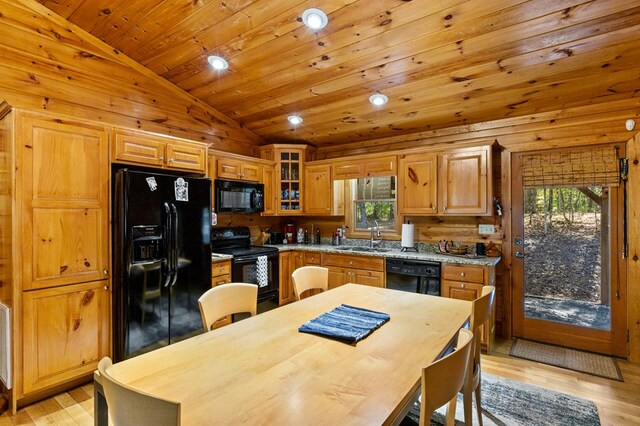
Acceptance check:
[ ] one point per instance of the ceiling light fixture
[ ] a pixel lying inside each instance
(218, 63)
(378, 99)
(630, 124)
(315, 18)
(294, 119)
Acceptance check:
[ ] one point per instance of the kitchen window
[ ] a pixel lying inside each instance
(373, 199)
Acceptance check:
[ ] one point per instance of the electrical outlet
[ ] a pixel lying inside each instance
(486, 229)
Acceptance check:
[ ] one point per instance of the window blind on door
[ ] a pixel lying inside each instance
(597, 166)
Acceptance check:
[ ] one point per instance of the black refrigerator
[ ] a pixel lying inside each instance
(161, 259)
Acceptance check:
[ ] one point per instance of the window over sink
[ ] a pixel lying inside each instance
(373, 199)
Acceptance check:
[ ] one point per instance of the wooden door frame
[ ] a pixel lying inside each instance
(611, 342)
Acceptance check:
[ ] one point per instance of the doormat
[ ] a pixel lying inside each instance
(584, 362)
(508, 402)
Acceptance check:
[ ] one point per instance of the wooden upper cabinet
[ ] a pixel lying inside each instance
(131, 148)
(465, 181)
(65, 178)
(236, 169)
(65, 333)
(185, 156)
(365, 167)
(318, 191)
(289, 176)
(269, 181)
(153, 150)
(418, 184)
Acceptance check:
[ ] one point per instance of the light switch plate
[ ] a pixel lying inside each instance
(486, 229)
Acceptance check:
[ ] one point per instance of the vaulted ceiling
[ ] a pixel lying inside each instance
(442, 63)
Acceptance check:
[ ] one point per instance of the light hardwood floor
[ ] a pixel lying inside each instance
(618, 402)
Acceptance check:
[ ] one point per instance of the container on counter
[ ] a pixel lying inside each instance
(289, 232)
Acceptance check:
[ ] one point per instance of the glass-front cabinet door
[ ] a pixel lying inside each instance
(290, 181)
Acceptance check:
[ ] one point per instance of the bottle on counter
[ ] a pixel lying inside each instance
(306, 236)
(300, 237)
(317, 238)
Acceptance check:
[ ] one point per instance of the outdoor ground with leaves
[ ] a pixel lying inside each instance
(563, 262)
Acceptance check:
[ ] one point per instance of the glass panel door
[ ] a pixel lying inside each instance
(566, 240)
(568, 273)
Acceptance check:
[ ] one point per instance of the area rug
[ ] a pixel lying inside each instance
(507, 402)
(585, 362)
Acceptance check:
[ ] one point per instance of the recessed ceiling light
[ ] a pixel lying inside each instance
(378, 99)
(294, 119)
(218, 63)
(315, 18)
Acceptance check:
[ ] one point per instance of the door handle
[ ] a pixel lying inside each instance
(167, 244)
(174, 246)
(519, 255)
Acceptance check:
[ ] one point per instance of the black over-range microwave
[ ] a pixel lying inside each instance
(238, 197)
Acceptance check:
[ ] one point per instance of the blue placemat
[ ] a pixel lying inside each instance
(346, 323)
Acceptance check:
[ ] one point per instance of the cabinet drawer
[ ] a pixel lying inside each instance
(220, 279)
(358, 262)
(461, 290)
(221, 268)
(464, 273)
(311, 258)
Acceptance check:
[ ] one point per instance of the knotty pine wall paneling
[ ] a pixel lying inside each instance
(6, 203)
(633, 261)
(49, 64)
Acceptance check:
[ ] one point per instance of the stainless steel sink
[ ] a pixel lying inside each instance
(365, 249)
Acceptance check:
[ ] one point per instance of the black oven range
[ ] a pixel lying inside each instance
(250, 264)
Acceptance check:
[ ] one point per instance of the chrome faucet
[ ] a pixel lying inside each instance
(375, 226)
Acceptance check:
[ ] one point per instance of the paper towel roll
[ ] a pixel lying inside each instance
(407, 235)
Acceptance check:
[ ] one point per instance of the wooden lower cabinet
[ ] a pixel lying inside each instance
(345, 269)
(286, 285)
(465, 282)
(66, 333)
(221, 274)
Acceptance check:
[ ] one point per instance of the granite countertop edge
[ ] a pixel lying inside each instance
(393, 253)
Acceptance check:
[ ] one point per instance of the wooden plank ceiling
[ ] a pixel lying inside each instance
(442, 63)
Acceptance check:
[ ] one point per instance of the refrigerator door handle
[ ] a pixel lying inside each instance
(168, 235)
(174, 245)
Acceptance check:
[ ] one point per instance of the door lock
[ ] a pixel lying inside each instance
(519, 255)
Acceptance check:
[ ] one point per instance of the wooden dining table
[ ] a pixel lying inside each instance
(262, 370)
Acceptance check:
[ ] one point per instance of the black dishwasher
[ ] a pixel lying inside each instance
(416, 276)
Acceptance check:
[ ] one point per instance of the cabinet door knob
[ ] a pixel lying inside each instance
(462, 286)
(106, 288)
(105, 272)
(161, 158)
(171, 160)
(462, 274)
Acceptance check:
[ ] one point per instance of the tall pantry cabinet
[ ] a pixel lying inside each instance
(58, 281)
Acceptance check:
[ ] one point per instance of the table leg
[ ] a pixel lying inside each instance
(100, 412)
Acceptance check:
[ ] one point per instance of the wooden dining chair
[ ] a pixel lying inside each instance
(227, 299)
(480, 314)
(309, 278)
(129, 407)
(442, 380)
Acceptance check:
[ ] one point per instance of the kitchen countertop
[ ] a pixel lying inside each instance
(218, 257)
(394, 253)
